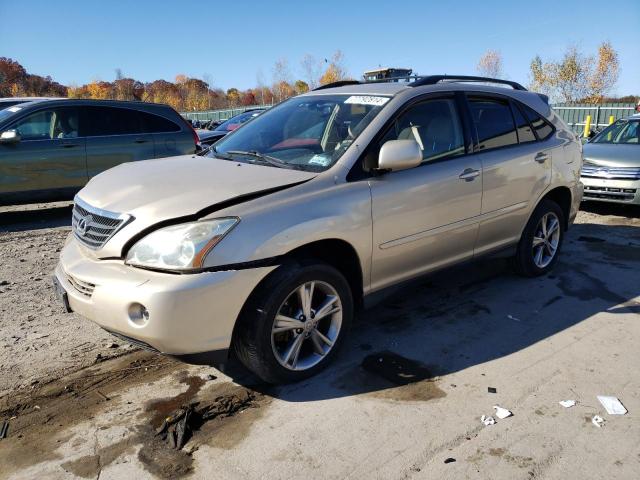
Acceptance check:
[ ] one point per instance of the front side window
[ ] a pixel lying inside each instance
(434, 125)
(494, 123)
(621, 131)
(306, 132)
(49, 124)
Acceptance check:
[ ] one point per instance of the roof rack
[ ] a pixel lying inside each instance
(433, 79)
(339, 83)
(418, 81)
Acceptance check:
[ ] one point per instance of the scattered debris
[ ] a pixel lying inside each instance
(450, 460)
(612, 405)
(103, 395)
(114, 345)
(567, 403)
(511, 317)
(598, 421)
(492, 390)
(4, 429)
(487, 420)
(502, 413)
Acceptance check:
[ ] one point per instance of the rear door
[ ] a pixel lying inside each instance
(50, 155)
(516, 169)
(115, 135)
(426, 217)
(169, 138)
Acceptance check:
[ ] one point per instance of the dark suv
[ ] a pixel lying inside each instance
(49, 149)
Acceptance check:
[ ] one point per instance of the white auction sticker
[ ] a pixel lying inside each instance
(367, 100)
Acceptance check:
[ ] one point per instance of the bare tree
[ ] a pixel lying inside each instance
(335, 70)
(312, 69)
(281, 76)
(490, 64)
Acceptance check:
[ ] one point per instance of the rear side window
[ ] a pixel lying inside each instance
(104, 121)
(156, 124)
(494, 123)
(542, 128)
(525, 134)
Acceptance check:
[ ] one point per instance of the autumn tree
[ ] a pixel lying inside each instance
(281, 77)
(335, 70)
(300, 86)
(233, 97)
(312, 70)
(490, 64)
(576, 76)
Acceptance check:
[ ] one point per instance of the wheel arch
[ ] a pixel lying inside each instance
(562, 196)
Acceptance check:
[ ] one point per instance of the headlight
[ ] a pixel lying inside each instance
(180, 247)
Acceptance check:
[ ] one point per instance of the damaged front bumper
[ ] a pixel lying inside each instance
(171, 313)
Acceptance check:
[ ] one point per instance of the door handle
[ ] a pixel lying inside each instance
(140, 140)
(541, 157)
(469, 174)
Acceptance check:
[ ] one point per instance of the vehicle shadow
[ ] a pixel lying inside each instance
(35, 217)
(606, 208)
(470, 315)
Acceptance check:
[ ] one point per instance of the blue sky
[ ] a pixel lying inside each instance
(231, 41)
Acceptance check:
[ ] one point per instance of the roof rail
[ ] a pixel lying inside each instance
(433, 79)
(339, 83)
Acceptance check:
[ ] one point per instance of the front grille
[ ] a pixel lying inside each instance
(83, 288)
(610, 193)
(94, 227)
(133, 341)
(613, 173)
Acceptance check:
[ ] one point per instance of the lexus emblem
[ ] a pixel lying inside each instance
(603, 171)
(83, 225)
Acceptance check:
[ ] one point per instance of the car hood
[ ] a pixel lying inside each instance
(154, 191)
(612, 155)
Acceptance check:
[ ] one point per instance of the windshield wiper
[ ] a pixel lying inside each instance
(264, 158)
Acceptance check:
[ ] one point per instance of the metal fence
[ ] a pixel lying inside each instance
(576, 114)
(219, 114)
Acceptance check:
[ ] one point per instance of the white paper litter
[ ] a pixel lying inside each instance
(487, 420)
(567, 403)
(502, 412)
(511, 317)
(612, 405)
(598, 421)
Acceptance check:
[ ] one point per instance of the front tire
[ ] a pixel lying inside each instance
(295, 322)
(541, 240)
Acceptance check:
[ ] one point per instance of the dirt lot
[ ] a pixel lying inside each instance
(404, 399)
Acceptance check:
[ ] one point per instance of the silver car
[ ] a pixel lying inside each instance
(611, 170)
(267, 246)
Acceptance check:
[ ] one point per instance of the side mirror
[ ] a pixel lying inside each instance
(399, 155)
(10, 136)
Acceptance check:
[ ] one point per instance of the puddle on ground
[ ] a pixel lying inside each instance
(390, 376)
(162, 408)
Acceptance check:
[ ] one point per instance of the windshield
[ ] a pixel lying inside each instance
(306, 133)
(623, 131)
(234, 122)
(8, 111)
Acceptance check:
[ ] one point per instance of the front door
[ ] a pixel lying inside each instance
(425, 218)
(50, 157)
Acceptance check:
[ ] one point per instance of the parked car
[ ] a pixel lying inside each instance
(268, 244)
(49, 149)
(11, 101)
(209, 137)
(611, 170)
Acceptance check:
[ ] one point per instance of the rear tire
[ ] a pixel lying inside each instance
(283, 339)
(541, 240)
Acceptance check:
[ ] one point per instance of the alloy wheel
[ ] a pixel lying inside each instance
(546, 239)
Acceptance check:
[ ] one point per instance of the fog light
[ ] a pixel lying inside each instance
(138, 314)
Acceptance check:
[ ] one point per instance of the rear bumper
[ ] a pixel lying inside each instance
(187, 314)
(616, 191)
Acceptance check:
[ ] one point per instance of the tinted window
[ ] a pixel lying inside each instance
(494, 123)
(49, 124)
(234, 122)
(539, 124)
(436, 127)
(156, 124)
(525, 134)
(112, 121)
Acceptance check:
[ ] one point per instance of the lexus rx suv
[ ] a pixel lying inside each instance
(266, 246)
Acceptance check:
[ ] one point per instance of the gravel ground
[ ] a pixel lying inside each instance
(570, 335)
(38, 341)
